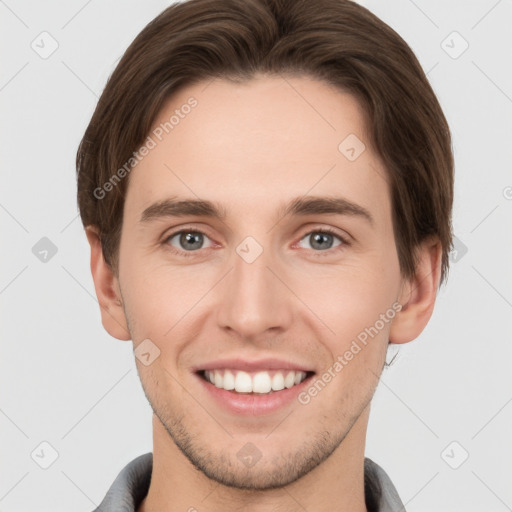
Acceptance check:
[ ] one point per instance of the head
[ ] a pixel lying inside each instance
(266, 179)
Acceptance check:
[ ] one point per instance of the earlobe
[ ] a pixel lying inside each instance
(418, 294)
(107, 289)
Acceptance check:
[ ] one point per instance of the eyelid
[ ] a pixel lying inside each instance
(314, 228)
(169, 233)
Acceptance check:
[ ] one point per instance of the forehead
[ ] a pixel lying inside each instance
(246, 144)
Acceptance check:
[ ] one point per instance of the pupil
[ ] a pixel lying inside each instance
(187, 239)
(318, 238)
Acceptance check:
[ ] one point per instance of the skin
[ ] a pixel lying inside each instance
(251, 147)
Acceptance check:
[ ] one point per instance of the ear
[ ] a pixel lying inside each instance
(107, 289)
(418, 295)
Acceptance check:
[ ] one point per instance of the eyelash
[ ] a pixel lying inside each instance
(319, 254)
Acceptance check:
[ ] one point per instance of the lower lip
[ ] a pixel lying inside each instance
(254, 404)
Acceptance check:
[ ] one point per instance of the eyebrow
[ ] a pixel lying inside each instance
(300, 206)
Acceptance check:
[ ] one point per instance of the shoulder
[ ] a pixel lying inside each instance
(380, 493)
(130, 486)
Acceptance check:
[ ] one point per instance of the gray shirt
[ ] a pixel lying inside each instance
(132, 484)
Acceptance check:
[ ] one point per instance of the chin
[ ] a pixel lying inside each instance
(242, 465)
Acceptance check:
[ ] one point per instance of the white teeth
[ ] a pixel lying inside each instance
(229, 381)
(289, 380)
(243, 382)
(260, 382)
(278, 382)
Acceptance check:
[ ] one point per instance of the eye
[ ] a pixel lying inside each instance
(322, 240)
(187, 240)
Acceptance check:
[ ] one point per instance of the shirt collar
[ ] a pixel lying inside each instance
(132, 484)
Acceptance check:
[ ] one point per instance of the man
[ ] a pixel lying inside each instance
(266, 188)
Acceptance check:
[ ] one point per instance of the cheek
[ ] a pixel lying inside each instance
(163, 302)
(348, 300)
(358, 308)
(152, 300)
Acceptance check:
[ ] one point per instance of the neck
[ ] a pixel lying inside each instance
(337, 483)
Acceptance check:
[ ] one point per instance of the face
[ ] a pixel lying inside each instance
(266, 284)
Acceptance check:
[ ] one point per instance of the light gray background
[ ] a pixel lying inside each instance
(65, 381)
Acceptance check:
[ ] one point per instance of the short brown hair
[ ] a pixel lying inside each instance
(337, 41)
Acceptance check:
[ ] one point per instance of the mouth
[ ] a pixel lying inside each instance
(253, 388)
(256, 383)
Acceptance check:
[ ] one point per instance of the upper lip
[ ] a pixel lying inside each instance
(254, 365)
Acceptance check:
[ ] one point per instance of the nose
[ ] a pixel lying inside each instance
(254, 299)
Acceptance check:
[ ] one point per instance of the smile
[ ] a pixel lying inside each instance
(260, 382)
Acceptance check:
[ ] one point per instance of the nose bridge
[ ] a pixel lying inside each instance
(253, 298)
